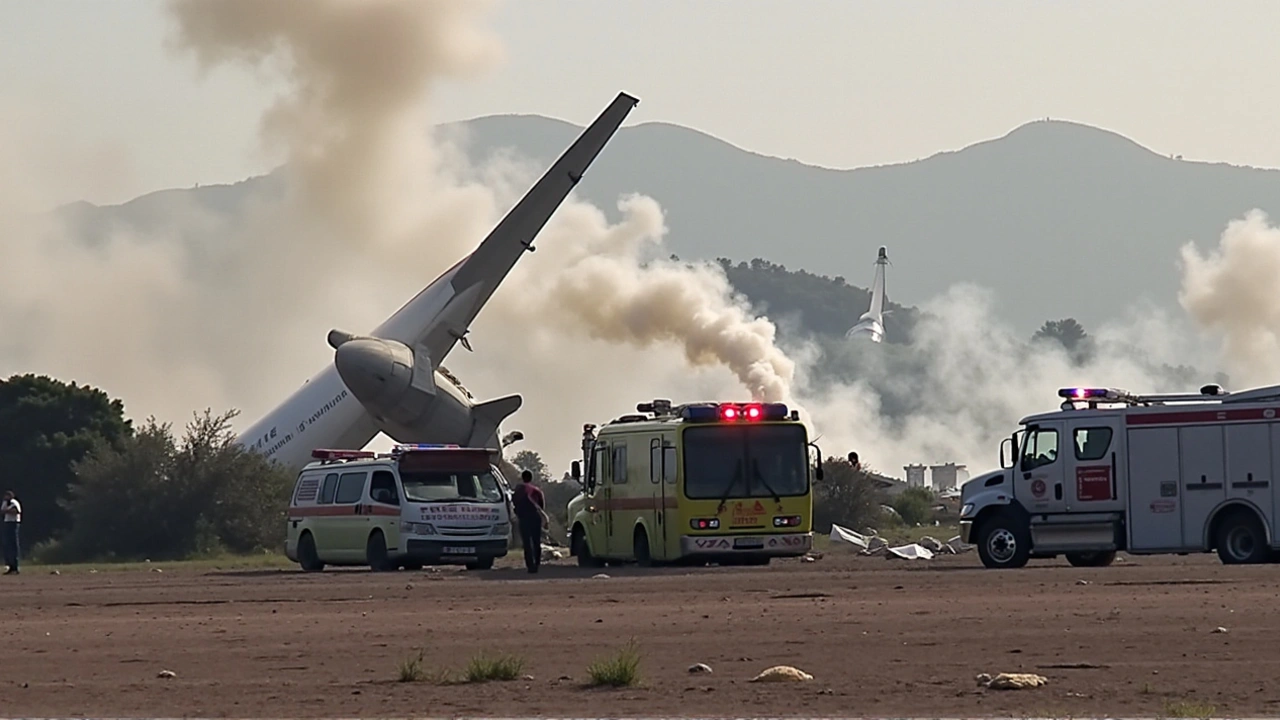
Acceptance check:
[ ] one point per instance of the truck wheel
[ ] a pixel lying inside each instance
(1241, 539)
(308, 559)
(1004, 542)
(375, 552)
(1092, 559)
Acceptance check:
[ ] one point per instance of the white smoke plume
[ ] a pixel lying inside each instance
(1233, 292)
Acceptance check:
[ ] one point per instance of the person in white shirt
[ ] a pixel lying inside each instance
(12, 511)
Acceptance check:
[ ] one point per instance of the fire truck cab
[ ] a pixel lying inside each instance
(1144, 474)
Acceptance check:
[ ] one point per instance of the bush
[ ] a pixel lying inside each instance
(915, 506)
(623, 670)
(484, 668)
(154, 497)
(845, 497)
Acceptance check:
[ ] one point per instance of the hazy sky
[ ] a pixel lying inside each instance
(838, 83)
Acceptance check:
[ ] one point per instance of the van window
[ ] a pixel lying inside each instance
(427, 486)
(308, 489)
(669, 455)
(383, 488)
(351, 488)
(330, 487)
(619, 464)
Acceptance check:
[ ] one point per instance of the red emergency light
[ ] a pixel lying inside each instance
(324, 454)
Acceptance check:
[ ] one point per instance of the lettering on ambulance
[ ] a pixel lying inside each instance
(459, 513)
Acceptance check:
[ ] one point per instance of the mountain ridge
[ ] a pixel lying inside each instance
(1016, 214)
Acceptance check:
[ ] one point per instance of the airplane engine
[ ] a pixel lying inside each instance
(411, 401)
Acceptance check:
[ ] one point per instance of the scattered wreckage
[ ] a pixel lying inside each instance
(871, 543)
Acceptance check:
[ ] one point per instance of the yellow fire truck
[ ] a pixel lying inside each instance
(703, 482)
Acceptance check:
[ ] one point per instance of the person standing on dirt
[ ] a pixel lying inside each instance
(530, 508)
(12, 511)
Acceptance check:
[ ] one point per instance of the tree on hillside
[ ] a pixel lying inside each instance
(161, 498)
(531, 461)
(1070, 335)
(46, 426)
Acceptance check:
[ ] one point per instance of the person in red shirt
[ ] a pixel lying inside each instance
(531, 514)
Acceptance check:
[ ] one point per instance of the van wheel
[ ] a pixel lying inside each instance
(375, 553)
(485, 564)
(1003, 542)
(641, 548)
(1241, 540)
(582, 551)
(1092, 559)
(413, 566)
(308, 559)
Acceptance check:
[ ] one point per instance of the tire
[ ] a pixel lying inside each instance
(1092, 559)
(1241, 539)
(484, 564)
(413, 566)
(1004, 542)
(308, 559)
(640, 548)
(375, 552)
(582, 551)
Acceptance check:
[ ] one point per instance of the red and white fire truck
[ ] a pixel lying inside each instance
(1146, 474)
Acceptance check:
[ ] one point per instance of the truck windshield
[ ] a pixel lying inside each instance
(735, 461)
(446, 486)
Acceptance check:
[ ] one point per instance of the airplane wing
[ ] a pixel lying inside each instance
(481, 272)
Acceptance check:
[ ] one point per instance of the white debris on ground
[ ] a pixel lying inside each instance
(782, 673)
(166, 674)
(914, 551)
(1011, 681)
(700, 668)
(553, 553)
(870, 543)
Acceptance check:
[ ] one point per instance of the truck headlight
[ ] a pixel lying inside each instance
(966, 510)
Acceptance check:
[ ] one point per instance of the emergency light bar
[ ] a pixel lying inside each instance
(1091, 394)
(412, 447)
(734, 412)
(323, 454)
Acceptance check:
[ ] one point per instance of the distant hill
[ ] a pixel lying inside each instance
(1059, 219)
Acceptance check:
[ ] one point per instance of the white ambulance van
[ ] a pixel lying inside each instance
(1144, 474)
(417, 505)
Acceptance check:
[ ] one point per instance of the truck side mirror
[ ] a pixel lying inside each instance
(575, 470)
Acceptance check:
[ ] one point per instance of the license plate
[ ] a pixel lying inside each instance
(748, 543)
(456, 550)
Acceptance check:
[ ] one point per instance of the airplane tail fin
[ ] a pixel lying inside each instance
(487, 416)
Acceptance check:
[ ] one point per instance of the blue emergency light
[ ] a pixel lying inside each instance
(734, 412)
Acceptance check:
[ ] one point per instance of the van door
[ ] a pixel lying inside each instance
(1096, 454)
(351, 525)
(622, 505)
(1039, 481)
(383, 509)
(658, 517)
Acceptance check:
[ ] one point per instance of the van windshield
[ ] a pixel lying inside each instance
(427, 486)
(751, 461)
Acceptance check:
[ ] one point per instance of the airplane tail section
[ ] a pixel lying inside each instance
(487, 416)
(877, 286)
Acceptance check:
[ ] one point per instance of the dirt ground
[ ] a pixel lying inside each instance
(881, 638)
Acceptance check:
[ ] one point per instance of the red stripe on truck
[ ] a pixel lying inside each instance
(1189, 417)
